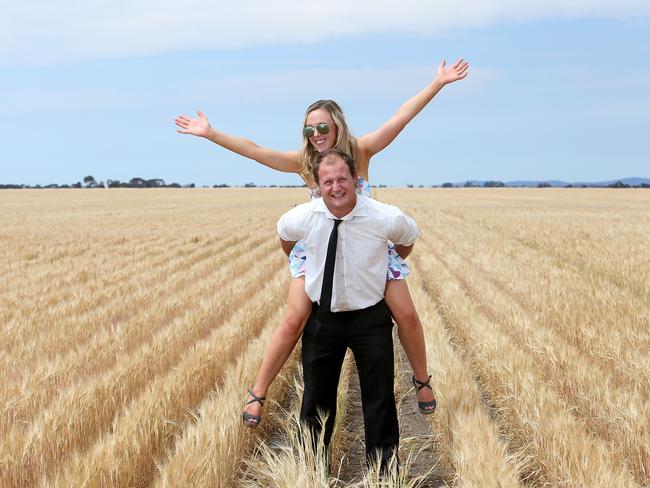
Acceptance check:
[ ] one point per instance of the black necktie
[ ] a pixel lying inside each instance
(324, 312)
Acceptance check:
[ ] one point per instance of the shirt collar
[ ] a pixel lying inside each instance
(360, 209)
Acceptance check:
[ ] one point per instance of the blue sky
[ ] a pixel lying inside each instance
(554, 92)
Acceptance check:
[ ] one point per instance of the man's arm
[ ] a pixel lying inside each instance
(403, 251)
(290, 227)
(287, 246)
(402, 232)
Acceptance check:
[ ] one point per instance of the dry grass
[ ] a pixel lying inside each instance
(131, 323)
(467, 438)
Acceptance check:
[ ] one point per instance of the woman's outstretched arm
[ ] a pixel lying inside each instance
(373, 142)
(282, 161)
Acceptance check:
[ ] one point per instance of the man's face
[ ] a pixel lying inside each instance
(337, 186)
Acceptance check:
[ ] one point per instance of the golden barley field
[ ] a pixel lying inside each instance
(132, 322)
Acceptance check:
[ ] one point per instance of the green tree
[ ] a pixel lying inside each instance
(90, 181)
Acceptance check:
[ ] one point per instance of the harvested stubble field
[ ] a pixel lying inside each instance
(132, 321)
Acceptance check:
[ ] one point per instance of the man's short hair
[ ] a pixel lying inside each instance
(322, 156)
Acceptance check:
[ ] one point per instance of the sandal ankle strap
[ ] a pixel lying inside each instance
(422, 384)
(255, 398)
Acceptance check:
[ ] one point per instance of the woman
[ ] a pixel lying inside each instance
(324, 127)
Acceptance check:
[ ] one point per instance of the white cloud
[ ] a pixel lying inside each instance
(335, 83)
(47, 99)
(41, 31)
(279, 86)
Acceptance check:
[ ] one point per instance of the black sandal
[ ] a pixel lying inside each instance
(424, 407)
(250, 420)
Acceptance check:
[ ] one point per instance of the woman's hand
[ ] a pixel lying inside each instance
(196, 127)
(455, 72)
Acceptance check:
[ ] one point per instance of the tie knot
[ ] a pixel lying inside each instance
(337, 222)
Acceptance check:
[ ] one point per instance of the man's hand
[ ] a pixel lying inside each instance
(404, 251)
(287, 246)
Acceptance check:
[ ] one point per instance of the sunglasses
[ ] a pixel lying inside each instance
(321, 128)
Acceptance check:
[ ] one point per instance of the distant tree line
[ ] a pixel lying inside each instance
(541, 184)
(90, 182)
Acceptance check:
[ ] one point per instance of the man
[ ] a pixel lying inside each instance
(345, 236)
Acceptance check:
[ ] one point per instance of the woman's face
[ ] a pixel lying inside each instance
(319, 141)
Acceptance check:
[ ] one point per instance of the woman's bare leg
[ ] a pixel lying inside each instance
(283, 341)
(409, 330)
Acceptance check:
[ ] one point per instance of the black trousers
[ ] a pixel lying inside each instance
(368, 333)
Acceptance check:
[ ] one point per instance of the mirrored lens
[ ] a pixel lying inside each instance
(321, 128)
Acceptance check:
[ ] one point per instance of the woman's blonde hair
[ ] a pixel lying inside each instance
(344, 139)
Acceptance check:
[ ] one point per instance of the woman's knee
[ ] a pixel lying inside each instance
(299, 307)
(294, 321)
(398, 299)
(406, 317)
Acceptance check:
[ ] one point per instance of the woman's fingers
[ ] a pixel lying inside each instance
(458, 70)
(462, 70)
(189, 125)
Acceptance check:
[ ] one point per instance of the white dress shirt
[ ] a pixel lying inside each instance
(361, 256)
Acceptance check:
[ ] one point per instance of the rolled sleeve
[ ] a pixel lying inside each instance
(291, 226)
(404, 231)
